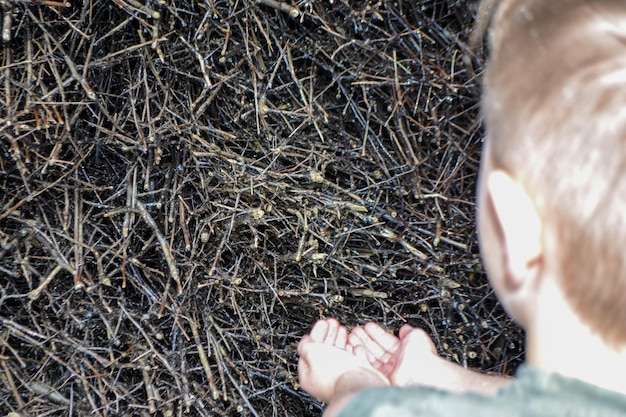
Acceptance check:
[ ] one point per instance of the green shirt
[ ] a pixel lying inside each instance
(533, 394)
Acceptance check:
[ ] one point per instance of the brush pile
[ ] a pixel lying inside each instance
(186, 186)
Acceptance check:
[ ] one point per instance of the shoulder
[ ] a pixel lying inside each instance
(422, 401)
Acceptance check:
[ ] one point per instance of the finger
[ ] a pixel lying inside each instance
(331, 333)
(305, 339)
(303, 365)
(417, 339)
(355, 345)
(358, 348)
(303, 359)
(305, 377)
(384, 339)
(319, 331)
(353, 339)
(371, 346)
(342, 338)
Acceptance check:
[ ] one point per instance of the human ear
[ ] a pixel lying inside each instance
(520, 226)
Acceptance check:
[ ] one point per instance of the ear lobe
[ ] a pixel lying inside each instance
(520, 224)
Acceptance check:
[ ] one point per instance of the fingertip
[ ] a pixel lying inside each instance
(319, 330)
(358, 331)
(419, 337)
(404, 330)
(332, 321)
(370, 326)
(333, 324)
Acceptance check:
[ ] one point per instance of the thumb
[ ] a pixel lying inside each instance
(415, 339)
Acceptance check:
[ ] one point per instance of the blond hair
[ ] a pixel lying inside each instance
(555, 113)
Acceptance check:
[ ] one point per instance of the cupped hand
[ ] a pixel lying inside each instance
(325, 357)
(412, 359)
(408, 359)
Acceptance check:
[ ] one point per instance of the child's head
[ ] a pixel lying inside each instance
(555, 114)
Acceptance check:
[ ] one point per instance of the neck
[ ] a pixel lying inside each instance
(557, 341)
